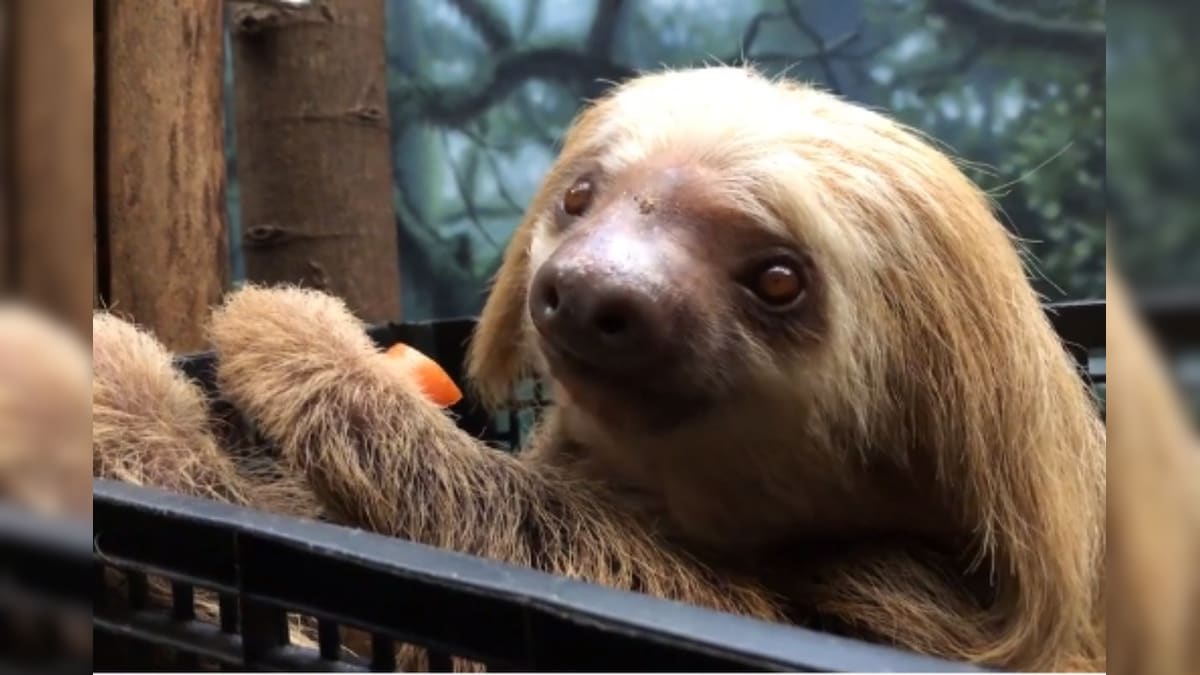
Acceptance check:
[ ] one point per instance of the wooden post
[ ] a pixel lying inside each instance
(49, 157)
(162, 182)
(5, 147)
(313, 159)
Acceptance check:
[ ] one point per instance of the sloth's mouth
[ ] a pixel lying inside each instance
(567, 364)
(657, 398)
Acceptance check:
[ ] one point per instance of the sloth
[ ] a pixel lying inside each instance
(45, 380)
(1154, 516)
(797, 369)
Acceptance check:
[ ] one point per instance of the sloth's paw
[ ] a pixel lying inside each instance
(299, 363)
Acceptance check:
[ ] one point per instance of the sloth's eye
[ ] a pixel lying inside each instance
(578, 197)
(779, 285)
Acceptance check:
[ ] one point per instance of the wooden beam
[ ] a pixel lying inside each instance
(50, 161)
(162, 165)
(313, 150)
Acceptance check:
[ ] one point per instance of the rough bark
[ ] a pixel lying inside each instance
(163, 165)
(313, 160)
(49, 151)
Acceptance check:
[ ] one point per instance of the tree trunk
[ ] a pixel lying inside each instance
(163, 210)
(313, 160)
(50, 160)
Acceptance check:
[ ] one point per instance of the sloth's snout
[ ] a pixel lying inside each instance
(598, 315)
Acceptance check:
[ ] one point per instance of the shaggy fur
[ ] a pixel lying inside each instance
(44, 414)
(928, 472)
(154, 428)
(1154, 517)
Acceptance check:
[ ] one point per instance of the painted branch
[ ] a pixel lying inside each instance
(455, 104)
(313, 150)
(1022, 28)
(162, 164)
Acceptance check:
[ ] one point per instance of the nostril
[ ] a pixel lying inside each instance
(550, 298)
(611, 323)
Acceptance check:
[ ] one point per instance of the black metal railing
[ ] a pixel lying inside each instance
(506, 617)
(45, 592)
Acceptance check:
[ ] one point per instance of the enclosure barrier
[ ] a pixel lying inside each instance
(45, 593)
(264, 568)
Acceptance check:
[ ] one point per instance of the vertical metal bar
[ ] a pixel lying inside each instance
(100, 587)
(183, 609)
(440, 662)
(383, 654)
(227, 608)
(329, 639)
(139, 589)
(264, 629)
(183, 601)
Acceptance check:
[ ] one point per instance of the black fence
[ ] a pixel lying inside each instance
(264, 567)
(45, 593)
(262, 571)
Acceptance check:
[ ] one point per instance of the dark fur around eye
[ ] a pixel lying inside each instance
(779, 280)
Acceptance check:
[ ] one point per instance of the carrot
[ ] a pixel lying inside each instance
(432, 379)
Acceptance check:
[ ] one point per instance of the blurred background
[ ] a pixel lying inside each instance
(1154, 143)
(480, 91)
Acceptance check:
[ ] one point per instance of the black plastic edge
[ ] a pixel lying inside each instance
(473, 607)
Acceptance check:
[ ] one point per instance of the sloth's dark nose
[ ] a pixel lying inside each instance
(599, 316)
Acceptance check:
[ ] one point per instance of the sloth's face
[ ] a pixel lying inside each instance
(655, 292)
(667, 275)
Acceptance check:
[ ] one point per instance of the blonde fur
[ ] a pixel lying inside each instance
(939, 427)
(1154, 516)
(153, 428)
(44, 415)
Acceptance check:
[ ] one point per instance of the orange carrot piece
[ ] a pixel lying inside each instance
(432, 379)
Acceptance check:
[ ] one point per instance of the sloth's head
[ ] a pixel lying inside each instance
(756, 281)
(711, 237)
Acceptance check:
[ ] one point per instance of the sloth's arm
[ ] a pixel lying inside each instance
(151, 426)
(384, 458)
